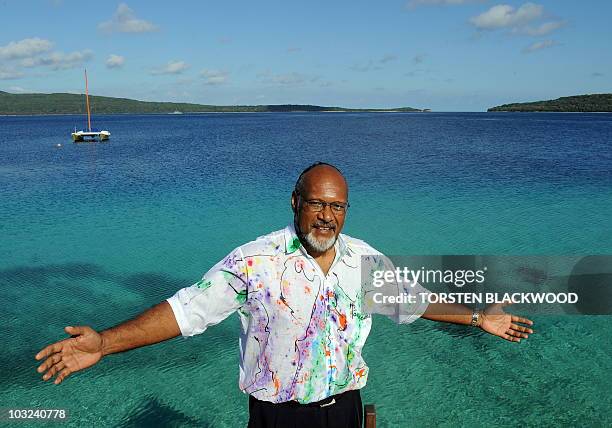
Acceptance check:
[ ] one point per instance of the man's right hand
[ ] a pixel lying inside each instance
(86, 346)
(82, 350)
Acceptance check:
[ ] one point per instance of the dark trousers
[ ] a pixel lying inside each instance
(342, 411)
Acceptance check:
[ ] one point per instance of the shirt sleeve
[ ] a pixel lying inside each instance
(220, 292)
(402, 302)
(408, 311)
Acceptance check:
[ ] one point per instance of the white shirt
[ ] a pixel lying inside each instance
(302, 331)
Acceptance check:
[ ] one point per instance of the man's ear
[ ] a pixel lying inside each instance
(294, 202)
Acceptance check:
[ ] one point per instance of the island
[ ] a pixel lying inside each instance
(576, 103)
(61, 103)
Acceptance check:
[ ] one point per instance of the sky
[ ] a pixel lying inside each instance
(446, 55)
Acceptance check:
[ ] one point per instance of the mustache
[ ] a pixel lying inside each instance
(331, 224)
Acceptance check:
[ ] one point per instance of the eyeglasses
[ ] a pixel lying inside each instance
(314, 205)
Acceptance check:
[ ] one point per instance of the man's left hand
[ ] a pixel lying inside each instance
(499, 323)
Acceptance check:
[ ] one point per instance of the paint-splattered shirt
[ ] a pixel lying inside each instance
(302, 331)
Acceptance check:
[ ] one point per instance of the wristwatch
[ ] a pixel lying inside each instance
(475, 317)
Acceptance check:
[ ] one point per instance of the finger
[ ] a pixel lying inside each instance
(62, 375)
(56, 368)
(510, 338)
(521, 328)
(53, 359)
(517, 334)
(521, 320)
(74, 331)
(513, 333)
(51, 349)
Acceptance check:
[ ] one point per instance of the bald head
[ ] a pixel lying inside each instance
(319, 174)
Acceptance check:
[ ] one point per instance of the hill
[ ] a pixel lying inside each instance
(75, 103)
(577, 103)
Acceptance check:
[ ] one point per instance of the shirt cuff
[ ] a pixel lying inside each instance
(179, 314)
(419, 309)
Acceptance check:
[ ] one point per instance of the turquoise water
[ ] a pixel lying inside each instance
(94, 234)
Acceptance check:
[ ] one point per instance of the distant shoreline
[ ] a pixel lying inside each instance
(222, 112)
(545, 111)
(590, 103)
(322, 111)
(63, 103)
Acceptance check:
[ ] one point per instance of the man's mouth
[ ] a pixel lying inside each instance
(322, 228)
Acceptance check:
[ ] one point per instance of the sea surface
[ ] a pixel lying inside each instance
(93, 234)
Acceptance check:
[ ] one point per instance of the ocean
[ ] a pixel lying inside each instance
(93, 234)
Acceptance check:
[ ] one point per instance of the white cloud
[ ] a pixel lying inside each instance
(542, 29)
(415, 3)
(25, 48)
(18, 90)
(173, 67)
(59, 60)
(36, 52)
(505, 16)
(365, 66)
(124, 21)
(423, 72)
(387, 58)
(115, 61)
(7, 73)
(288, 79)
(371, 65)
(537, 46)
(214, 77)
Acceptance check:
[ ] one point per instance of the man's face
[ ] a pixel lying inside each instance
(320, 229)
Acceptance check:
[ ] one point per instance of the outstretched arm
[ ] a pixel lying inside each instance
(493, 319)
(86, 346)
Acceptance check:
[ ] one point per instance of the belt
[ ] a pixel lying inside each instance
(326, 402)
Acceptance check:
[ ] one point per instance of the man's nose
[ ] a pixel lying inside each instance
(326, 214)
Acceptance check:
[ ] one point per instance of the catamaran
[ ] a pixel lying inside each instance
(92, 134)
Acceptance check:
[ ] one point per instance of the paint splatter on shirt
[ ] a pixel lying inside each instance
(302, 331)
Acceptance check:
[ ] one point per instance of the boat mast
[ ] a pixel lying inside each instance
(87, 101)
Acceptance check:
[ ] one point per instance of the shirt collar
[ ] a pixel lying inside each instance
(293, 243)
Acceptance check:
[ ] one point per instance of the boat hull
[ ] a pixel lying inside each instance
(89, 136)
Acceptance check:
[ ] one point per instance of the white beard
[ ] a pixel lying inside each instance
(319, 245)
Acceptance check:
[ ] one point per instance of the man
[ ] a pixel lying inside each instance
(298, 293)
